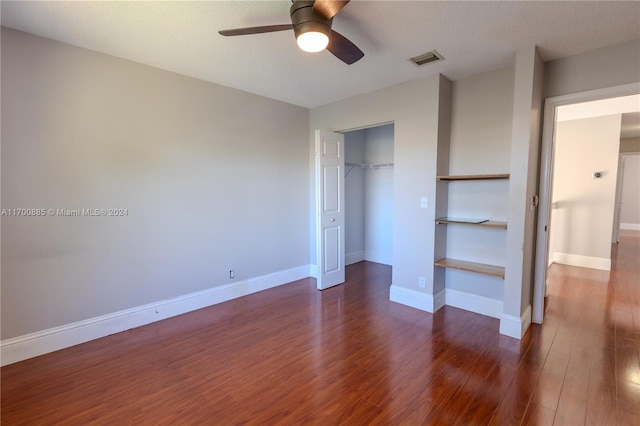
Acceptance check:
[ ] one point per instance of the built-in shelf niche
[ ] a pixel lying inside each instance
(480, 268)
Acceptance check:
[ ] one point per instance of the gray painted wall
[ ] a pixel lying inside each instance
(630, 145)
(213, 178)
(582, 212)
(630, 196)
(378, 226)
(610, 66)
(413, 108)
(354, 187)
(369, 196)
(480, 143)
(523, 183)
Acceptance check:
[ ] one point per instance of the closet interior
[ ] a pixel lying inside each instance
(369, 195)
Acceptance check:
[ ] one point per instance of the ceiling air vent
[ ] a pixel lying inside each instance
(425, 58)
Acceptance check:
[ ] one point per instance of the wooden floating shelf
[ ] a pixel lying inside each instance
(480, 268)
(474, 222)
(474, 177)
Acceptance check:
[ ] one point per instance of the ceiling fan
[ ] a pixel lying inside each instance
(311, 24)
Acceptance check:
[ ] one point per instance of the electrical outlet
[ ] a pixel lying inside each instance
(232, 274)
(422, 282)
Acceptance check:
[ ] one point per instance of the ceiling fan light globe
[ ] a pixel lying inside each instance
(312, 41)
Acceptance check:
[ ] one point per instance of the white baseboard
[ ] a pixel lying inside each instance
(630, 226)
(474, 303)
(601, 263)
(439, 299)
(509, 325)
(513, 326)
(457, 299)
(314, 271)
(416, 299)
(355, 257)
(378, 257)
(45, 341)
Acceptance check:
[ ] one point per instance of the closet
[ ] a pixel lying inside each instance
(369, 195)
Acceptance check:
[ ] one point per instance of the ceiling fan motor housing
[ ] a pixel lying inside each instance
(304, 19)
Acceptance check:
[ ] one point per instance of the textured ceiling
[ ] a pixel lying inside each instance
(473, 37)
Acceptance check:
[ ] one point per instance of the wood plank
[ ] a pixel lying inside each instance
(474, 177)
(347, 355)
(480, 268)
(466, 220)
(473, 222)
(538, 416)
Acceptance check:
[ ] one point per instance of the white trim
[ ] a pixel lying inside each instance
(630, 226)
(416, 299)
(546, 178)
(513, 326)
(439, 299)
(617, 226)
(314, 271)
(509, 325)
(377, 256)
(582, 261)
(45, 341)
(355, 257)
(474, 303)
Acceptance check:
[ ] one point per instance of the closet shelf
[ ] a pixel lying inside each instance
(480, 268)
(474, 177)
(370, 166)
(466, 221)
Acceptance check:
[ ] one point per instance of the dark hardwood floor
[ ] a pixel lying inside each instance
(294, 355)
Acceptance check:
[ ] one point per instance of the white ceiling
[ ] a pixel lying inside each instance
(627, 106)
(619, 105)
(473, 37)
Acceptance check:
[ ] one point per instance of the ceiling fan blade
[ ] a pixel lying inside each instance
(343, 49)
(329, 8)
(256, 30)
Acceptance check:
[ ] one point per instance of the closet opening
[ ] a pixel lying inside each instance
(369, 194)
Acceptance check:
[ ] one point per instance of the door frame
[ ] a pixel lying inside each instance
(546, 180)
(316, 269)
(619, 187)
(615, 237)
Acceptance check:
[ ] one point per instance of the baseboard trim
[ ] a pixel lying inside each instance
(630, 226)
(45, 341)
(314, 271)
(514, 326)
(509, 325)
(474, 303)
(415, 299)
(582, 261)
(355, 257)
(377, 257)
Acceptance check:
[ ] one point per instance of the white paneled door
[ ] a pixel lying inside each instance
(330, 208)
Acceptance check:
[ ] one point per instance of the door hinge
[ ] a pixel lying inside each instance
(534, 203)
